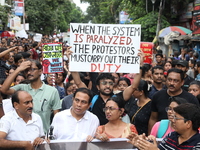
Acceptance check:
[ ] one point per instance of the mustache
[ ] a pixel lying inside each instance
(171, 86)
(31, 108)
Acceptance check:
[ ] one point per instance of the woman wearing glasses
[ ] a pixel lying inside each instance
(115, 128)
(164, 127)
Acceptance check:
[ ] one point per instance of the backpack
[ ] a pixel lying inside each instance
(162, 128)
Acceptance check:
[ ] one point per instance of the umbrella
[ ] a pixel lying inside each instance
(167, 30)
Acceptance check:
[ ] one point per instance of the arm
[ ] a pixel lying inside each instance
(77, 80)
(153, 119)
(6, 85)
(55, 111)
(14, 144)
(129, 90)
(7, 51)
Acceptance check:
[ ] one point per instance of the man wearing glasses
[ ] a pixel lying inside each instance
(105, 84)
(76, 123)
(45, 97)
(186, 121)
(161, 99)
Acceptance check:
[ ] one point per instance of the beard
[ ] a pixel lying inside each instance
(106, 94)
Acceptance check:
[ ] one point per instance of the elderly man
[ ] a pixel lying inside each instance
(45, 97)
(21, 128)
(76, 123)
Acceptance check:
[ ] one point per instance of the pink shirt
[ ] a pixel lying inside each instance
(154, 130)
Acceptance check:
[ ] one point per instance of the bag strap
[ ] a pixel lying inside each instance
(162, 128)
(94, 99)
(139, 110)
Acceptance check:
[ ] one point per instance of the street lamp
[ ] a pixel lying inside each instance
(153, 2)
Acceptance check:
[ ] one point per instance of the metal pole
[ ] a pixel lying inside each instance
(159, 19)
(24, 17)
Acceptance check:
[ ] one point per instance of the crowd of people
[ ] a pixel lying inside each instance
(161, 101)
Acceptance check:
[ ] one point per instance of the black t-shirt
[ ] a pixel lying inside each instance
(141, 119)
(161, 100)
(187, 81)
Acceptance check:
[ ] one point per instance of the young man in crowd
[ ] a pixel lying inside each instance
(76, 123)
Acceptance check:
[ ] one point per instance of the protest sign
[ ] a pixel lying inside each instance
(105, 48)
(52, 58)
(37, 37)
(147, 48)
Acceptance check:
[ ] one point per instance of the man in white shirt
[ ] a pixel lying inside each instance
(76, 123)
(21, 128)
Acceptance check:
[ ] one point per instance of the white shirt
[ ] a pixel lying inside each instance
(66, 127)
(18, 130)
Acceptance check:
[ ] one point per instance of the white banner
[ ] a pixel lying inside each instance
(105, 47)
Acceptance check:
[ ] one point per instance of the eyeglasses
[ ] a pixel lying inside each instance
(169, 109)
(50, 76)
(176, 118)
(31, 69)
(174, 80)
(105, 83)
(11, 55)
(110, 109)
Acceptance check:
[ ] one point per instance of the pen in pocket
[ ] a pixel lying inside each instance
(43, 104)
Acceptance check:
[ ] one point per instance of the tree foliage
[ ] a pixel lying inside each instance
(4, 11)
(44, 16)
(149, 24)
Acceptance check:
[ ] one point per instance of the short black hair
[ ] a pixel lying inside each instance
(104, 76)
(86, 91)
(119, 101)
(157, 67)
(190, 112)
(159, 54)
(124, 79)
(143, 86)
(15, 97)
(178, 100)
(179, 71)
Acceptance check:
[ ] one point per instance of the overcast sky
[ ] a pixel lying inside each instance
(83, 6)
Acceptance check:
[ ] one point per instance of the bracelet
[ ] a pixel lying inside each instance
(1, 104)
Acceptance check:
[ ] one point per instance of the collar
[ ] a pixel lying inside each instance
(41, 88)
(86, 115)
(34, 118)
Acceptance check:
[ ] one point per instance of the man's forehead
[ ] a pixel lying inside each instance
(174, 75)
(158, 70)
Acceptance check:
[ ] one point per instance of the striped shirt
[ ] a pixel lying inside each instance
(170, 142)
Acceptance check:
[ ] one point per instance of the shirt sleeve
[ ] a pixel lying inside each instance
(133, 129)
(56, 103)
(4, 125)
(154, 130)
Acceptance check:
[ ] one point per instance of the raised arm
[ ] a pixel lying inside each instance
(6, 85)
(7, 51)
(129, 90)
(77, 80)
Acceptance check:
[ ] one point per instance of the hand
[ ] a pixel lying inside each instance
(28, 146)
(69, 52)
(146, 145)
(141, 54)
(103, 137)
(24, 65)
(89, 138)
(38, 141)
(133, 137)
